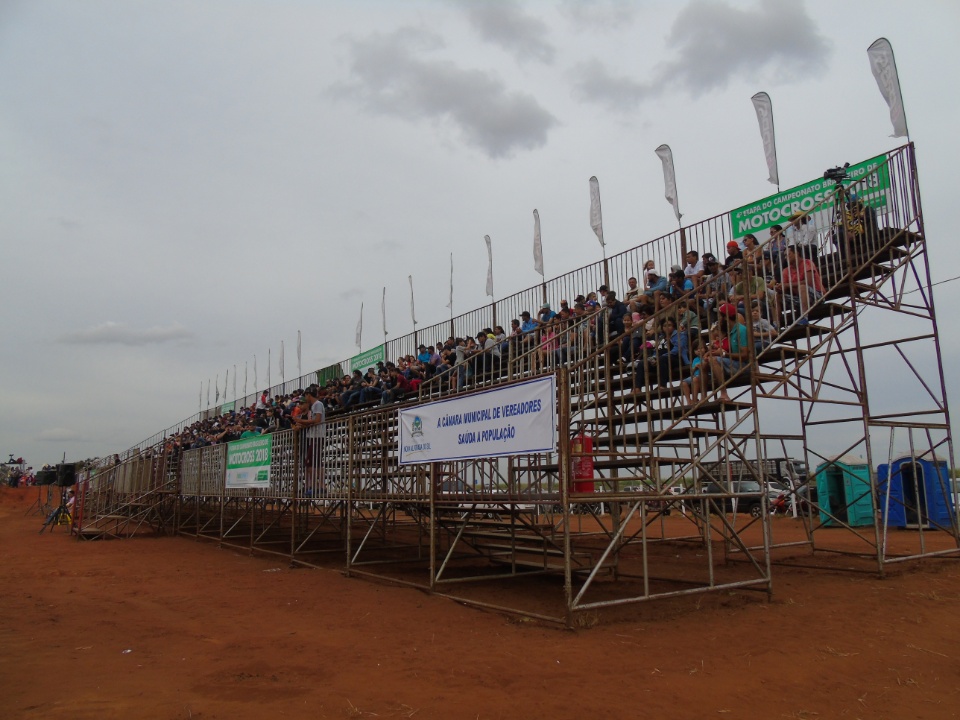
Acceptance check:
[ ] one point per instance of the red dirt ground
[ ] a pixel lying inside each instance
(174, 628)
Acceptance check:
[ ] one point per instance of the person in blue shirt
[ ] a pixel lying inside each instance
(725, 364)
(528, 325)
(691, 385)
(546, 314)
(656, 284)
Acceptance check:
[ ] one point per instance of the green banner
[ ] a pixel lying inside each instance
(228, 407)
(248, 462)
(873, 183)
(368, 359)
(331, 372)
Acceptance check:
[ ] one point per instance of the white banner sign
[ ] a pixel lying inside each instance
(518, 419)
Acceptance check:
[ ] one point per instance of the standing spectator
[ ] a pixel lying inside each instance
(313, 427)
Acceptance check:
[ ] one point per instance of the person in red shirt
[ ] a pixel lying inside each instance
(801, 284)
(400, 387)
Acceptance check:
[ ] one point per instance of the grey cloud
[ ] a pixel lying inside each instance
(716, 42)
(391, 77)
(112, 333)
(505, 24)
(592, 82)
(58, 435)
(599, 14)
(68, 224)
(389, 246)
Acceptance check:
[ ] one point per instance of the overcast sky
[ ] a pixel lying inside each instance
(186, 184)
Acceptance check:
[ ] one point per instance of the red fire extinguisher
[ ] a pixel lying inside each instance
(581, 448)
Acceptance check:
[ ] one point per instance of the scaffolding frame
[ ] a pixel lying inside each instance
(451, 528)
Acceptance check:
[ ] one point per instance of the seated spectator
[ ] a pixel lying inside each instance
(776, 246)
(694, 267)
(764, 332)
(861, 219)
(734, 254)
(500, 342)
(615, 311)
(726, 363)
(801, 284)
(483, 359)
(665, 357)
(350, 393)
(745, 291)
(566, 340)
(632, 290)
(715, 288)
(398, 387)
(546, 314)
(691, 386)
(632, 340)
(752, 254)
(548, 343)
(688, 332)
(371, 387)
(647, 267)
(680, 284)
(423, 354)
(655, 285)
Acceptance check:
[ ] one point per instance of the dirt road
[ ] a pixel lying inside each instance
(175, 628)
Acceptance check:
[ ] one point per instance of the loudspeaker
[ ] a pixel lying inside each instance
(66, 474)
(46, 477)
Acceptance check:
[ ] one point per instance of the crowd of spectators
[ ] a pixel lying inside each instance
(689, 323)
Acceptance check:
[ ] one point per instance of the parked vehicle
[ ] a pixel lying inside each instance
(780, 505)
(788, 472)
(750, 496)
(653, 505)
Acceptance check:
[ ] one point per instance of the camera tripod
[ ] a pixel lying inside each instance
(40, 506)
(60, 516)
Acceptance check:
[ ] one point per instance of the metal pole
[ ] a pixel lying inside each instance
(564, 471)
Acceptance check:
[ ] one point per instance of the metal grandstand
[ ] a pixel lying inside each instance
(455, 528)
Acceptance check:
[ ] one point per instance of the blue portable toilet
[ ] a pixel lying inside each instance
(919, 492)
(843, 492)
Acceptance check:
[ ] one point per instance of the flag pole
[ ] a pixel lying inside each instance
(413, 314)
(383, 313)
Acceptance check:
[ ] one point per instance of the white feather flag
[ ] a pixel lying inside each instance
(884, 67)
(537, 245)
(596, 216)
(489, 265)
(669, 178)
(764, 107)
